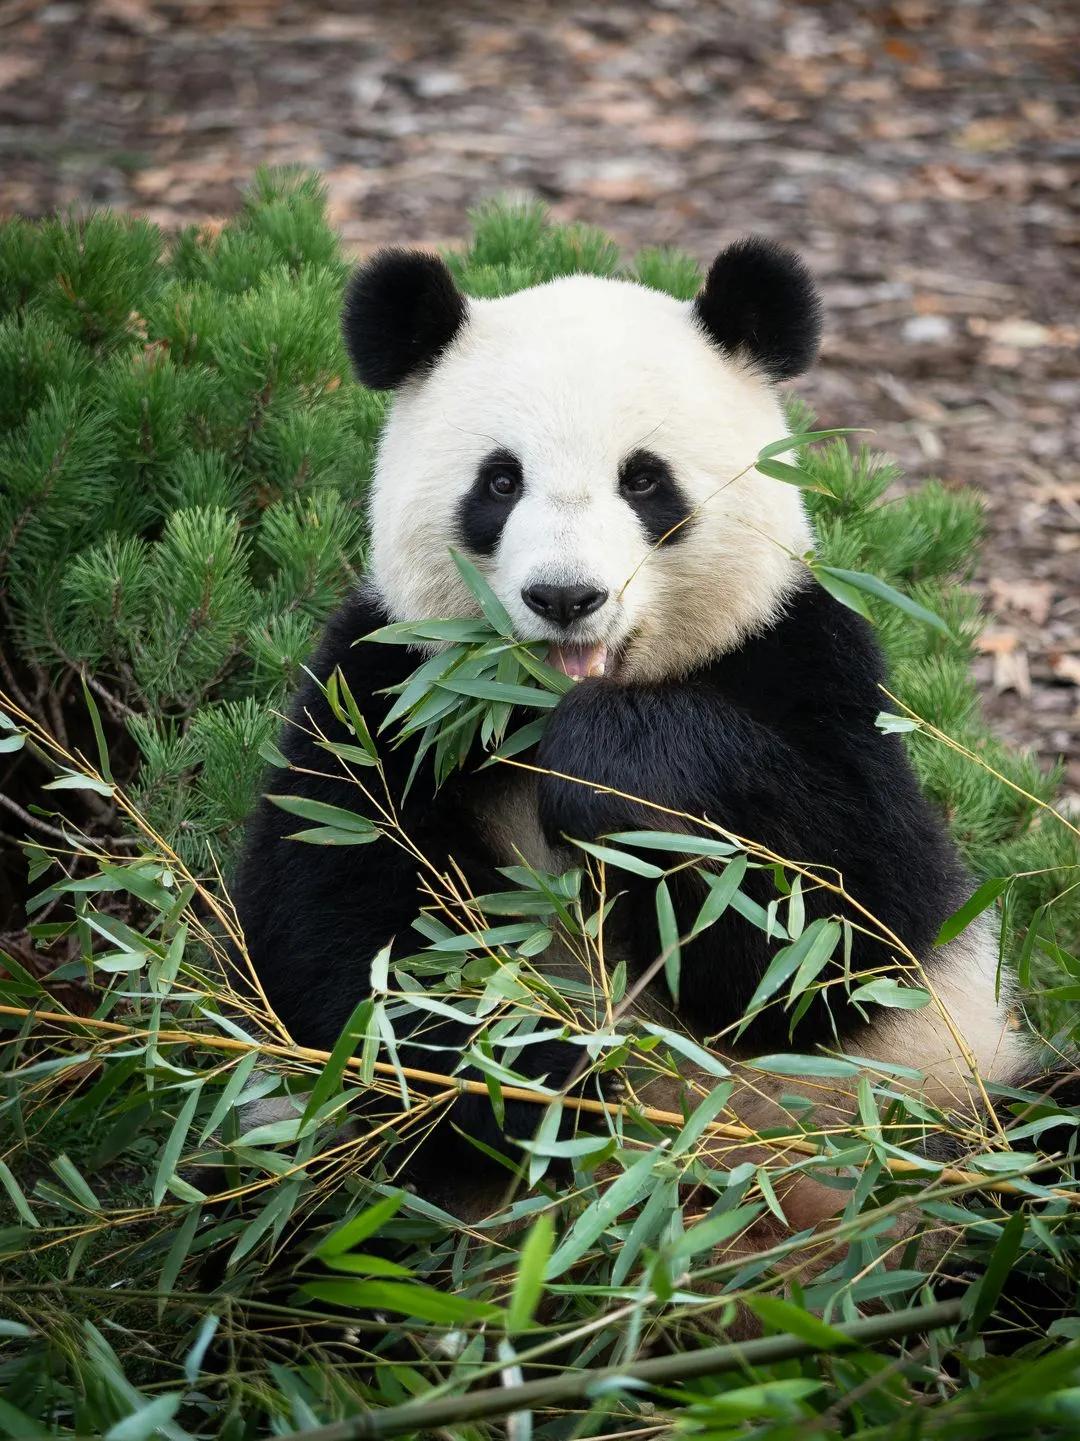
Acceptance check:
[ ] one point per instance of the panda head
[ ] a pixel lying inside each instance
(580, 442)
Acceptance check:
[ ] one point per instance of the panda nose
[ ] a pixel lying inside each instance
(563, 604)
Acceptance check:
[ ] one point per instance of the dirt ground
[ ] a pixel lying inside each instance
(925, 157)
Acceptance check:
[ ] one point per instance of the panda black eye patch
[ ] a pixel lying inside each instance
(652, 492)
(491, 498)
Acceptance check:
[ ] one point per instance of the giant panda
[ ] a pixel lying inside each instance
(587, 444)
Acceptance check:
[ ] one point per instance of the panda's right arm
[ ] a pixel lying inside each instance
(314, 917)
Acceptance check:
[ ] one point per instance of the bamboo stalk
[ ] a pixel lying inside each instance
(424, 1417)
(896, 1165)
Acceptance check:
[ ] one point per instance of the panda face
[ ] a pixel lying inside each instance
(582, 443)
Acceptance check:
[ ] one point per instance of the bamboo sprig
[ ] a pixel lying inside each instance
(896, 1165)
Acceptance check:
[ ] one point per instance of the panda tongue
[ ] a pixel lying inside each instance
(579, 661)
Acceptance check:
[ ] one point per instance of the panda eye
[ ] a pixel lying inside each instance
(502, 483)
(641, 479)
(501, 476)
(640, 483)
(642, 474)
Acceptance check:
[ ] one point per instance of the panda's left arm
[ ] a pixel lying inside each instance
(817, 784)
(680, 747)
(775, 741)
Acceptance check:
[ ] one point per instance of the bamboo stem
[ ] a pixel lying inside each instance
(896, 1165)
(424, 1417)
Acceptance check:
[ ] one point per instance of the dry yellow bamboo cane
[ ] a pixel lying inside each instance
(896, 1165)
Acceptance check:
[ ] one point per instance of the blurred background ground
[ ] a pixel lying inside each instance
(924, 157)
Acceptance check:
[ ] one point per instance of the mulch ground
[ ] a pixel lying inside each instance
(924, 157)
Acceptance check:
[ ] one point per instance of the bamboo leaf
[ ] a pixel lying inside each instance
(884, 991)
(497, 690)
(276, 1212)
(889, 723)
(788, 1319)
(974, 906)
(464, 629)
(170, 1154)
(99, 734)
(860, 580)
(273, 755)
(358, 1263)
(494, 612)
(75, 781)
(76, 1183)
(668, 928)
(713, 1230)
(178, 1251)
(622, 1193)
(199, 1347)
(806, 437)
(147, 1420)
(405, 1298)
(546, 1133)
(329, 1080)
(520, 740)
(791, 475)
(670, 841)
(334, 836)
(841, 590)
(358, 1228)
(688, 1048)
(309, 810)
(980, 1299)
(225, 1102)
(529, 1279)
(722, 891)
(623, 859)
(812, 949)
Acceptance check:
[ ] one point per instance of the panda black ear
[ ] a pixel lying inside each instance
(760, 301)
(402, 309)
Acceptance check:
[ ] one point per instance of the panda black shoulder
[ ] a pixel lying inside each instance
(818, 655)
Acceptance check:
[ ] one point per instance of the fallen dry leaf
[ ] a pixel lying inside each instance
(995, 641)
(1066, 668)
(1026, 597)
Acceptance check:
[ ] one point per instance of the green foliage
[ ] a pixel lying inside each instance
(182, 473)
(183, 467)
(176, 1266)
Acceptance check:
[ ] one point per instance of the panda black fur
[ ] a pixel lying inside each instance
(557, 435)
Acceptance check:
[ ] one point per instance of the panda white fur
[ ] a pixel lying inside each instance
(555, 436)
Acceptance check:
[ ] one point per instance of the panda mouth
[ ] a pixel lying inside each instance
(580, 662)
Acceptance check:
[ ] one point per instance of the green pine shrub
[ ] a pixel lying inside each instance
(183, 465)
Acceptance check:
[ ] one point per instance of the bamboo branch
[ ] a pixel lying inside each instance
(896, 1165)
(425, 1417)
